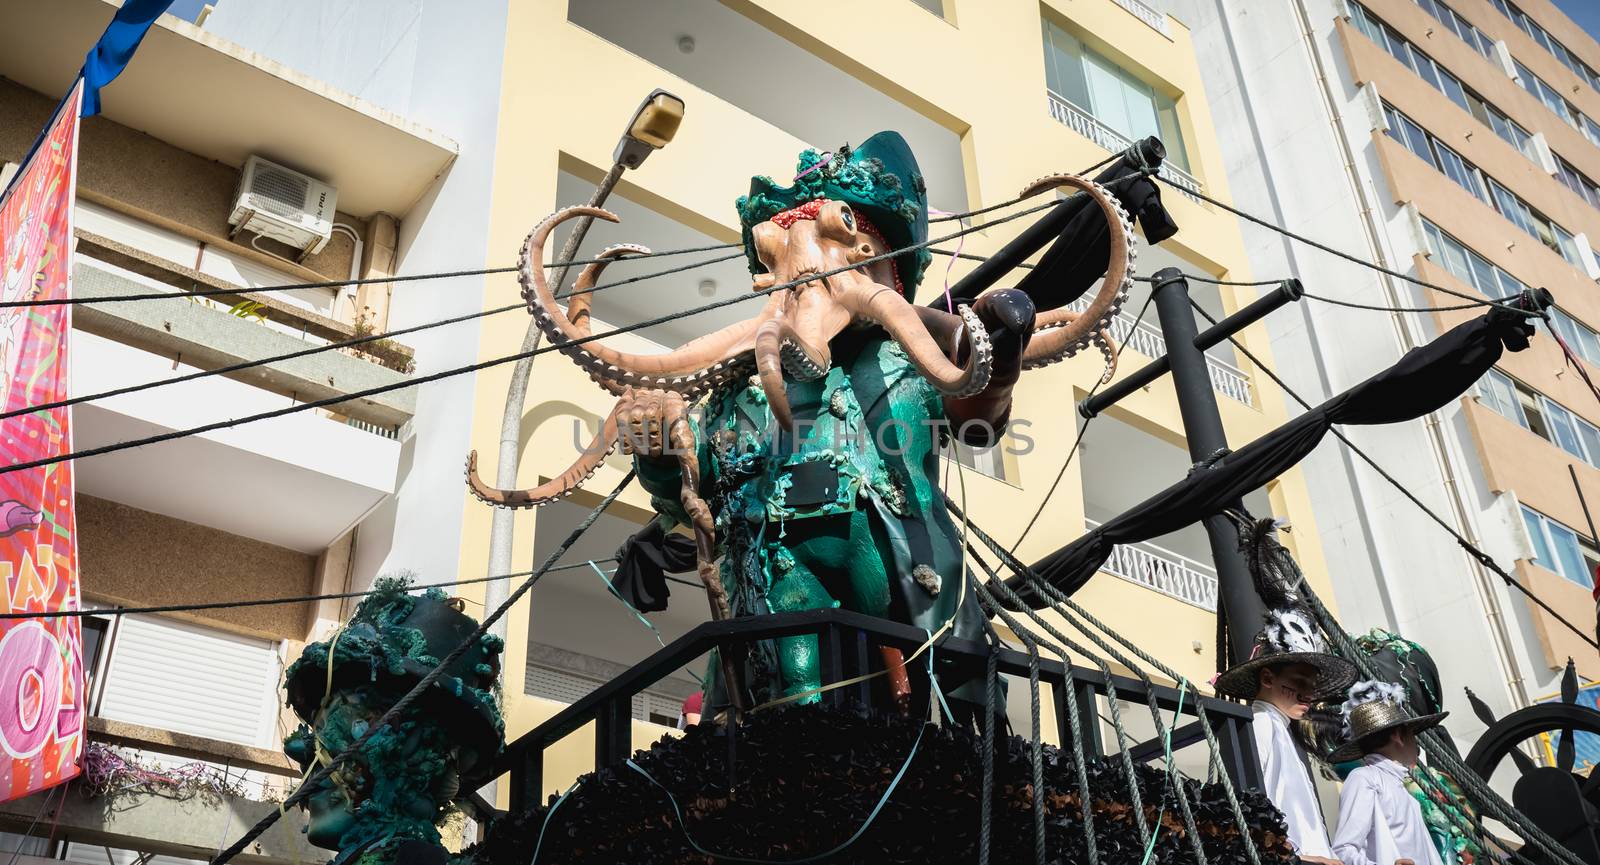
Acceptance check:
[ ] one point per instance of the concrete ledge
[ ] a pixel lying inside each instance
(126, 735)
(191, 828)
(210, 338)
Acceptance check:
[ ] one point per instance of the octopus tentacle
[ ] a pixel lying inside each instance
(581, 298)
(904, 322)
(558, 487)
(769, 369)
(691, 369)
(1062, 333)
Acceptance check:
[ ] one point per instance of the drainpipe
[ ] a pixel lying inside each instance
(1406, 327)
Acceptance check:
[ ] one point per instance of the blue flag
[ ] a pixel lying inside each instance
(111, 54)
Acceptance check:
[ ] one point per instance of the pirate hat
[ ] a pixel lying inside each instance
(393, 640)
(1376, 707)
(1288, 638)
(879, 180)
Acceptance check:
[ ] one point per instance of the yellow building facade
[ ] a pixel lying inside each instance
(756, 75)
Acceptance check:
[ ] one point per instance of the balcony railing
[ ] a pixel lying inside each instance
(1085, 124)
(1156, 20)
(1229, 380)
(1165, 571)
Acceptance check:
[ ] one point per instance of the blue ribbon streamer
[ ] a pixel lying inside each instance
(1183, 690)
(546, 824)
(624, 601)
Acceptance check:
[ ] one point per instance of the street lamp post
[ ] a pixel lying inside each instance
(652, 127)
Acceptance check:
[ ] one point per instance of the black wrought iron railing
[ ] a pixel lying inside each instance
(848, 645)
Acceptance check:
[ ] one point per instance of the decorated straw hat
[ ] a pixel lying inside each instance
(1377, 707)
(1288, 638)
(394, 639)
(878, 179)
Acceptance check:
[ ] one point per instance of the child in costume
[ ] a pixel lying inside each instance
(1380, 823)
(1288, 670)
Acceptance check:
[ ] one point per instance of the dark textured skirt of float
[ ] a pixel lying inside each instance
(808, 777)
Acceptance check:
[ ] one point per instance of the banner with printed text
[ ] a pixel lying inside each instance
(41, 659)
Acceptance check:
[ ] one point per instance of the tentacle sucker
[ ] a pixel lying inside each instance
(1061, 333)
(558, 487)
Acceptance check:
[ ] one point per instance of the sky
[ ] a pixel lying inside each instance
(1585, 12)
(188, 9)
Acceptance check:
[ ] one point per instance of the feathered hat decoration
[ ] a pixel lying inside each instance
(1376, 707)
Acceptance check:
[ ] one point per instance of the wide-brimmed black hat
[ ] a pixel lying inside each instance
(1288, 638)
(1376, 707)
(394, 640)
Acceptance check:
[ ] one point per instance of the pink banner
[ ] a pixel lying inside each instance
(41, 660)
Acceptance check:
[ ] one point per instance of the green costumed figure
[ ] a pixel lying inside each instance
(385, 803)
(841, 507)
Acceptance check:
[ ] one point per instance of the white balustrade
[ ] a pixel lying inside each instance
(1085, 124)
(1156, 20)
(1167, 572)
(1229, 380)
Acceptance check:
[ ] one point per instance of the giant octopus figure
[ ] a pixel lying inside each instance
(813, 470)
(385, 803)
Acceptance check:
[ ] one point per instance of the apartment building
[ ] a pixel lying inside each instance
(196, 136)
(1456, 141)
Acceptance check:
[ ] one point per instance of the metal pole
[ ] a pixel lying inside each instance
(1288, 292)
(1202, 423)
(502, 526)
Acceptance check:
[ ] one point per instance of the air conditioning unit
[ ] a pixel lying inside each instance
(282, 204)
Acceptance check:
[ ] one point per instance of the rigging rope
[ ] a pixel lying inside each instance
(1331, 251)
(487, 364)
(293, 599)
(1063, 603)
(337, 283)
(332, 346)
(1471, 549)
(1082, 428)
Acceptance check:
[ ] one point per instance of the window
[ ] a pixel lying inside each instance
(1550, 97)
(1469, 177)
(1547, 42)
(1440, 78)
(989, 460)
(1540, 415)
(1563, 427)
(1453, 22)
(1498, 392)
(1560, 549)
(1580, 337)
(1112, 95)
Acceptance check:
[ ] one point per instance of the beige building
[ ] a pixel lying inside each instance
(762, 81)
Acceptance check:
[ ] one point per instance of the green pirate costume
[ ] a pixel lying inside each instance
(845, 510)
(384, 805)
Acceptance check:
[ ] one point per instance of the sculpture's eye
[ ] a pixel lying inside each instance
(836, 220)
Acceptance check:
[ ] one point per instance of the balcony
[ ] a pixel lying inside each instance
(1169, 573)
(298, 481)
(1085, 124)
(1144, 12)
(144, 816)
(1229, 380)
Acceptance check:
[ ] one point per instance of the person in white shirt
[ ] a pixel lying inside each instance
(1380, 823)
(1289, 669)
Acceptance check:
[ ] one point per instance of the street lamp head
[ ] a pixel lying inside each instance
(653, 125)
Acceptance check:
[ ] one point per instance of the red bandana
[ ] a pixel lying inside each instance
(810, 209)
